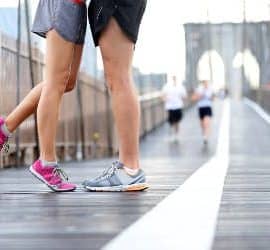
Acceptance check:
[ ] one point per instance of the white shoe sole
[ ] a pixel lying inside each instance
(124, 188)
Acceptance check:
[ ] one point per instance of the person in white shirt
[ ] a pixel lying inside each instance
(174, 94)
(204, 96)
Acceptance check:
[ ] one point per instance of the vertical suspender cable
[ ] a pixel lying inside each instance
(81, 119)
(29, 42)
(17, 139)
(243, 45)
(95, 136)
(209, 40)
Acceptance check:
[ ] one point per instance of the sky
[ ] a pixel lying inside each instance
(161, 44)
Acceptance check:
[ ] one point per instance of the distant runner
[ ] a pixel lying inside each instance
(204, 96)
(174, 94)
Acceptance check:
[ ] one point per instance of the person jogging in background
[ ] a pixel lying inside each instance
(204, 96)
(174, 94)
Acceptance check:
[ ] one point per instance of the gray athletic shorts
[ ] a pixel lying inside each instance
(67, 17)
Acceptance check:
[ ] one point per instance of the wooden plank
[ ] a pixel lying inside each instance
(35, 218)
(244, 218)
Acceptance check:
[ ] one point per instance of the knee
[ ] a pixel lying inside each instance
(59, 82)
(118, 79)
(70, 85)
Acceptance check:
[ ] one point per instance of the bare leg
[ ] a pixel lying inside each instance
(205, 124)
(29, 104)
(117, 53)
(27, 107)
(58, 74)
(176, 128)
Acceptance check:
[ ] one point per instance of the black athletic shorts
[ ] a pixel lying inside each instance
(128, 14)
(175, 115)
(205, 112)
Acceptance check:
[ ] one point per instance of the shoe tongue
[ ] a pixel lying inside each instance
(119, 165)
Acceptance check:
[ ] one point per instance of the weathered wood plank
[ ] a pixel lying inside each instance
(34, 218)
(244, 218)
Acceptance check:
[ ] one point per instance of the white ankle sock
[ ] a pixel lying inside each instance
(49, 163)
(5, 130)
(131, 171)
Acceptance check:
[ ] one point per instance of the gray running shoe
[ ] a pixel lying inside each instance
(116, 179)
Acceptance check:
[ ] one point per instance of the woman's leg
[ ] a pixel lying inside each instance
(29, 104)
(62, 64)
(117, 53)
(27, 107)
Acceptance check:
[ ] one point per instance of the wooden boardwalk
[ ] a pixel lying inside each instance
(244, 218)
(34, 218)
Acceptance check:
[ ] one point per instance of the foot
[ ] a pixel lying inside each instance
(3, 138)
(53, 177)
(116, 179)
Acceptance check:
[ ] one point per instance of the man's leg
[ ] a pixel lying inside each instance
(176, 127)
(117, 54)
(206, 126)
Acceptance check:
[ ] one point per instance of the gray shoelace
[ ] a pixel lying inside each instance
(6, 147)
(60, 173)
(110, 171)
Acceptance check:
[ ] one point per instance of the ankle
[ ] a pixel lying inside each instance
(5, 130)
(131, 167)
(51, 163)
(131, 171)
(131, 164)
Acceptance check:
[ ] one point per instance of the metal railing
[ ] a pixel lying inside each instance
(261, 96)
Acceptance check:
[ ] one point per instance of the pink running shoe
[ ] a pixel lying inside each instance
(3, 138)
(52, 177)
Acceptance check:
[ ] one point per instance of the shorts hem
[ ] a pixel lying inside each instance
(205, 112)
(43, 34)
(97, 33)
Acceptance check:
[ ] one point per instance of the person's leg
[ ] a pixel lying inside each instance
(202, 125)
(125, 174)
(176, 128)
(58, 76)
(117, 54)
(206, 126)
(28, 106)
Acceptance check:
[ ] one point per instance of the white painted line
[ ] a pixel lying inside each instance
(261, 112)
(186, 219)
